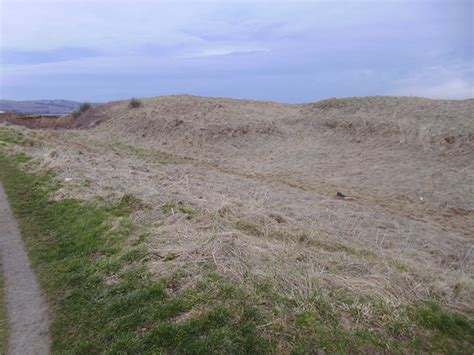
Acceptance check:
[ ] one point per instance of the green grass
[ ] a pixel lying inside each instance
(129, 203)
(452, 331)
(101, 296)
(11, 136)
(3, 316)
(103, 299)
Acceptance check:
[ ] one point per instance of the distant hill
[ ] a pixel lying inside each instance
(39, 107)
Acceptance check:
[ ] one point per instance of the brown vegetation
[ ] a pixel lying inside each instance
(38, 122)
(135, 103)
(247, 189)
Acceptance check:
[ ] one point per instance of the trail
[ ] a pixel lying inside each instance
(27, 312)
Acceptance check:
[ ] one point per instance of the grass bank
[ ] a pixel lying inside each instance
(101, 297)
(92, 265)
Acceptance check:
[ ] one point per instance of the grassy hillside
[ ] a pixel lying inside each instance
(97, 264)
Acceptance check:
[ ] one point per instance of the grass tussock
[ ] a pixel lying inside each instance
(131, 203)
(135, 103)
(172, 208)
(83, 108)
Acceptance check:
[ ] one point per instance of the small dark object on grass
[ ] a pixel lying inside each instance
(343, 196)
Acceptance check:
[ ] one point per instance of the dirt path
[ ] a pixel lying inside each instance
(28, 324)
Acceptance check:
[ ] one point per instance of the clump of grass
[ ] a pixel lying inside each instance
(171, 207)
(85, 106)
(76, 114)
(131, 203)
(332, 103)
(135, 103)
(249, 227)
(87, 182)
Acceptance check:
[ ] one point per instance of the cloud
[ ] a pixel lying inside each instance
(95, 25)
(453, 79)
(24, 57)
(285, 50)
(453, 89)
(224, 51)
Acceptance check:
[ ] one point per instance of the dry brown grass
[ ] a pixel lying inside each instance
(258, 204)
(433, 125)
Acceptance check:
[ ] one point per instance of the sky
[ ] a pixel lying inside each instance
(285, 51)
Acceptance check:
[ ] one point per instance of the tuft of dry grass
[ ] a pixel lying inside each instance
(135, 103)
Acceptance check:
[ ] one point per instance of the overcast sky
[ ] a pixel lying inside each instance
(288, 51)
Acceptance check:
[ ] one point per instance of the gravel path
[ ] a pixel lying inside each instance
(28, 324)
